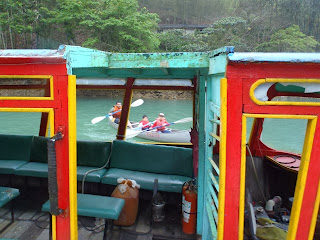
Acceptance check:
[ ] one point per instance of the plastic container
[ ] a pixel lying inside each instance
(129, 191)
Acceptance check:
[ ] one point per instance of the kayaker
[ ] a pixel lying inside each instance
(144, 123)
(160, 123)
(115, 111)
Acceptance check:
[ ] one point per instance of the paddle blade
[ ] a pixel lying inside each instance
(137, 103)
(184, 120)
(97, 119)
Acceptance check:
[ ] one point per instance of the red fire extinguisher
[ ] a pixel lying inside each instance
(189, 208)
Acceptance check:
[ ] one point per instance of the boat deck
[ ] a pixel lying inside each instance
(30, 223)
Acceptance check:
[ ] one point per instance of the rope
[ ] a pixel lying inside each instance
(97, 169)
(255, 173)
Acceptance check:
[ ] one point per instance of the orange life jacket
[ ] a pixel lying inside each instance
(118, 114)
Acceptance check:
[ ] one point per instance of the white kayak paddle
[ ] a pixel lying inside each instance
(131, 133)
(136, 103)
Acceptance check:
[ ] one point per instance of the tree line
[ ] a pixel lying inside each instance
(132, 25)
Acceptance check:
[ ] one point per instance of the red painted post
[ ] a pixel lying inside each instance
(62, 155)
(57, 68)
(233, 156)
(195, 83)
(125, 109)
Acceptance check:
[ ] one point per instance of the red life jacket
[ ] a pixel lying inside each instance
(145, 124)
(158, 123)
(118, 114)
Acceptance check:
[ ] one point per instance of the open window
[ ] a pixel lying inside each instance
(276, 169)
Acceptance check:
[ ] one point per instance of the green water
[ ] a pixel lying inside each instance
(282, 134)
(89, 108)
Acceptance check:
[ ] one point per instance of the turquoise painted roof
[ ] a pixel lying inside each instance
(89, 63)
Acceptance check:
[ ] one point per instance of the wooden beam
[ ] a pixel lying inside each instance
(125, 109)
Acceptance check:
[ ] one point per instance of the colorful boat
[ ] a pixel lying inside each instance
(175, 136)
(229, 90)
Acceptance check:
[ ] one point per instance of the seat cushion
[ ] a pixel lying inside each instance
(95, 176)
(152, 158)
(9, 166)
(167, 183)
(95, 206)
(33, 169)
(7, 194)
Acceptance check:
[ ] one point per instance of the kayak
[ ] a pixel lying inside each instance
(175, 136)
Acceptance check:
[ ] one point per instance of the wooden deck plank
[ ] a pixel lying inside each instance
(28, 211)
(96, 236)
(17, 229)
(44, 235)
(34, 231)
(27, 215)
(83, 234)
(41, 217)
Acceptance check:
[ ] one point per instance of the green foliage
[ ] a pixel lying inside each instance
(17, 21)
(127, 25)
(120, 26)
(289, 40)
(112, 25)
(178, 41)
(229, 31)
(188, 11)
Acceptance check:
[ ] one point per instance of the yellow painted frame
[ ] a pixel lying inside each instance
(314, 215)
(279, 80)
(50, 77)
(222, 157)
(302, 175)
(72, 156)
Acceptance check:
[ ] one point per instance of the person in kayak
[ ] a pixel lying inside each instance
(160, 123)
(115, 111)
(144, 123)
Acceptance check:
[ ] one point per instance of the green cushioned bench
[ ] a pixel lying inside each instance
(90, 155)
(172, 166)
(8, 194)
(38, 163)
(96, 206)
(14, 152)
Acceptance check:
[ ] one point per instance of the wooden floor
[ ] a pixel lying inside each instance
(30, 223)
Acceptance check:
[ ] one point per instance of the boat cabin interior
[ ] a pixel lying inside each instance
(247, 169)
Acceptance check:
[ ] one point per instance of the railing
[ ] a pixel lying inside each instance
(212, 170)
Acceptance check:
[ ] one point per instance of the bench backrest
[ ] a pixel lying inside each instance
(152, 158)
(92, 154)
(15, 147)
(39, 152)
(34, 149)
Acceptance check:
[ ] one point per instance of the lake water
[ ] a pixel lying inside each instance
(282, 134)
